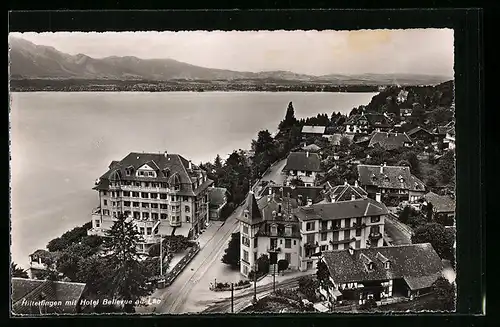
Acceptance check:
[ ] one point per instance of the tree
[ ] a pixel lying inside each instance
(323, 275)
(414, 162)
(308, 286)
(232, 252)
(130, 277)
(263, 263)
(218, 163)
(344, 144)
(438, 236)
(17, 271)
(429, 208)
(68, 262)
(418, 113)
(446, 167)
(297, 182)
(404, 215)
(445, 293)
(290, 119)
(282, 265)
(73, 236)
(97, 274)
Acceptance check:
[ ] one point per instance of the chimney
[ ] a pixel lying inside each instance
(385, 163)
(381, 169)
(351, 250)
(378, 197)
(270, 191)
(190, 165)
(165, 154)
(356, 183)
(307, 154)
(353, 197)
(345, 182)
(309, 201)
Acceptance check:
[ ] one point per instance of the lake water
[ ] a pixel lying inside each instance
(62, 142)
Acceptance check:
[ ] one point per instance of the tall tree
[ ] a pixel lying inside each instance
(16, 271)
(438, 236)
(130, 277)
(446, 167)
(218, 163)
(290, 119)
(232, 252)
(323, 275)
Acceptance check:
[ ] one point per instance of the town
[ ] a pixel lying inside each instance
(333, 213)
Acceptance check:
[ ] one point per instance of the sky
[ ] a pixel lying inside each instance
(415, 51)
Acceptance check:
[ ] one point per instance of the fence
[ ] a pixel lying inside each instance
(179, 267)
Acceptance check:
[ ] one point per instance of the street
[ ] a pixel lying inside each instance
(274, 173)
(397, 233)
(244, 298)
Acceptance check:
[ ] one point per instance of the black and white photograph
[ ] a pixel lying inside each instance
(245, 172)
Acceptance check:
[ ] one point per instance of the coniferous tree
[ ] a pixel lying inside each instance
(16, 271)
(232, 252)
(130, 277)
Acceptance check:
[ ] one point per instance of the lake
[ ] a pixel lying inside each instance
(62, 142)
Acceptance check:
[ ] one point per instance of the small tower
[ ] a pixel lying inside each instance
(251, 216)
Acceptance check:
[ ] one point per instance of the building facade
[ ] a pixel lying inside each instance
(367, 123)
(303, 166)
(163, 194)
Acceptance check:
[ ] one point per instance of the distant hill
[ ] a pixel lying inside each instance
(31, 61)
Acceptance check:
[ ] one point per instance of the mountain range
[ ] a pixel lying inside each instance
(32, 61)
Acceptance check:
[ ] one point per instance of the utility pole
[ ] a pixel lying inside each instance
(274, 279)
(161, 256)
(254, 284)
(232, 297)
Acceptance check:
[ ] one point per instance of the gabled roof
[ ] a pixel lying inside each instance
(371, 118)
(440, 203)
(340, 210)
(26, 290)
(389, 177)
(251, 212)
(389, 141)
(166, 166)
(313, 129)
(217, 195)
(418, 129)
(311, 147)
(345, 192)
(418, 264)
(303, 161)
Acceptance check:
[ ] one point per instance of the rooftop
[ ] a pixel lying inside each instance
(313, 129)
(305, 161)
(418, 264)
(440, 203)
(344, 192)
(340, 210)
(370, 118)
(416, 130)
(389, 141)
(298, 193)
(311, 147)
(169, 168)
(393, 177)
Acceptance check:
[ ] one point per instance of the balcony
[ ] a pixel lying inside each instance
(175, 223)
(349, 240)
(375, 236)
(274, 249)
(311, 245)
(356, 225)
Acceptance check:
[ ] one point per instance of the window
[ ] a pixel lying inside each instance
(358, 232)
(135, 194)
(97, 223)
(324, 247)
(126, 203)
(255, 242)
(309, 265)
(310, 226)
(105, 202)
(137, 215)
(138, 184)
(310, 238)
(323, 236)
(308, 173)
(245, 270)
(375, 219)
(324, 225)
(347, 234)
(387, 263)
(288, 230)
(104, 193)
(146, 184)
(154, 215)
(149, 231)
(126, 193)
(245, 241)
(245, 229)
(185, 198)
(153, 195)
(274, 230)
(281, 241)
(188, 219)
(375, 230)
(335, 246)
(163, 216)
(113, 203)
(288, 243)
(255, 256)
(163, 196)
(154, 205)
(358, 244)
(245, 255)
(145, 205)
(288, 257)
(294, 242)
(163, 206)
(145, 215)
(105, 212)
(187, 208)
(144, 195)
(136, 204)
(141, 230)
(172, 198)
(336, 236)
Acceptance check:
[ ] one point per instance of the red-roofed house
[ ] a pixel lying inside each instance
(164, 194)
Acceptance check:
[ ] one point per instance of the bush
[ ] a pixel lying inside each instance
(308, 287)
(258, 275)
(369, 304)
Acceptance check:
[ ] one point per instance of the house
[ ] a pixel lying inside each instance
(42, 261)
(217, 200)
(343, 192)
(449, 139)
(313, 130)
(335, 139)
(421, 136)
(379, 273)
(303, 166)
(38, 297)
(357, 223)
(366, 123)
(390, 141)
(163, 194)
(311, 148)
(402, 96)
(443, 207)
(384, 182)
(446, 135)
(268, 227)
(405, 113)
(301, 194)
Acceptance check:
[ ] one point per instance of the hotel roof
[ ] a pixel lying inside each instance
(340, 210)
(313, 129)
(305, 161)
(393, 177)
(389, 141)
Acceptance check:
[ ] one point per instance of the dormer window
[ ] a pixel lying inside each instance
(370, 266)
(387, 265)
